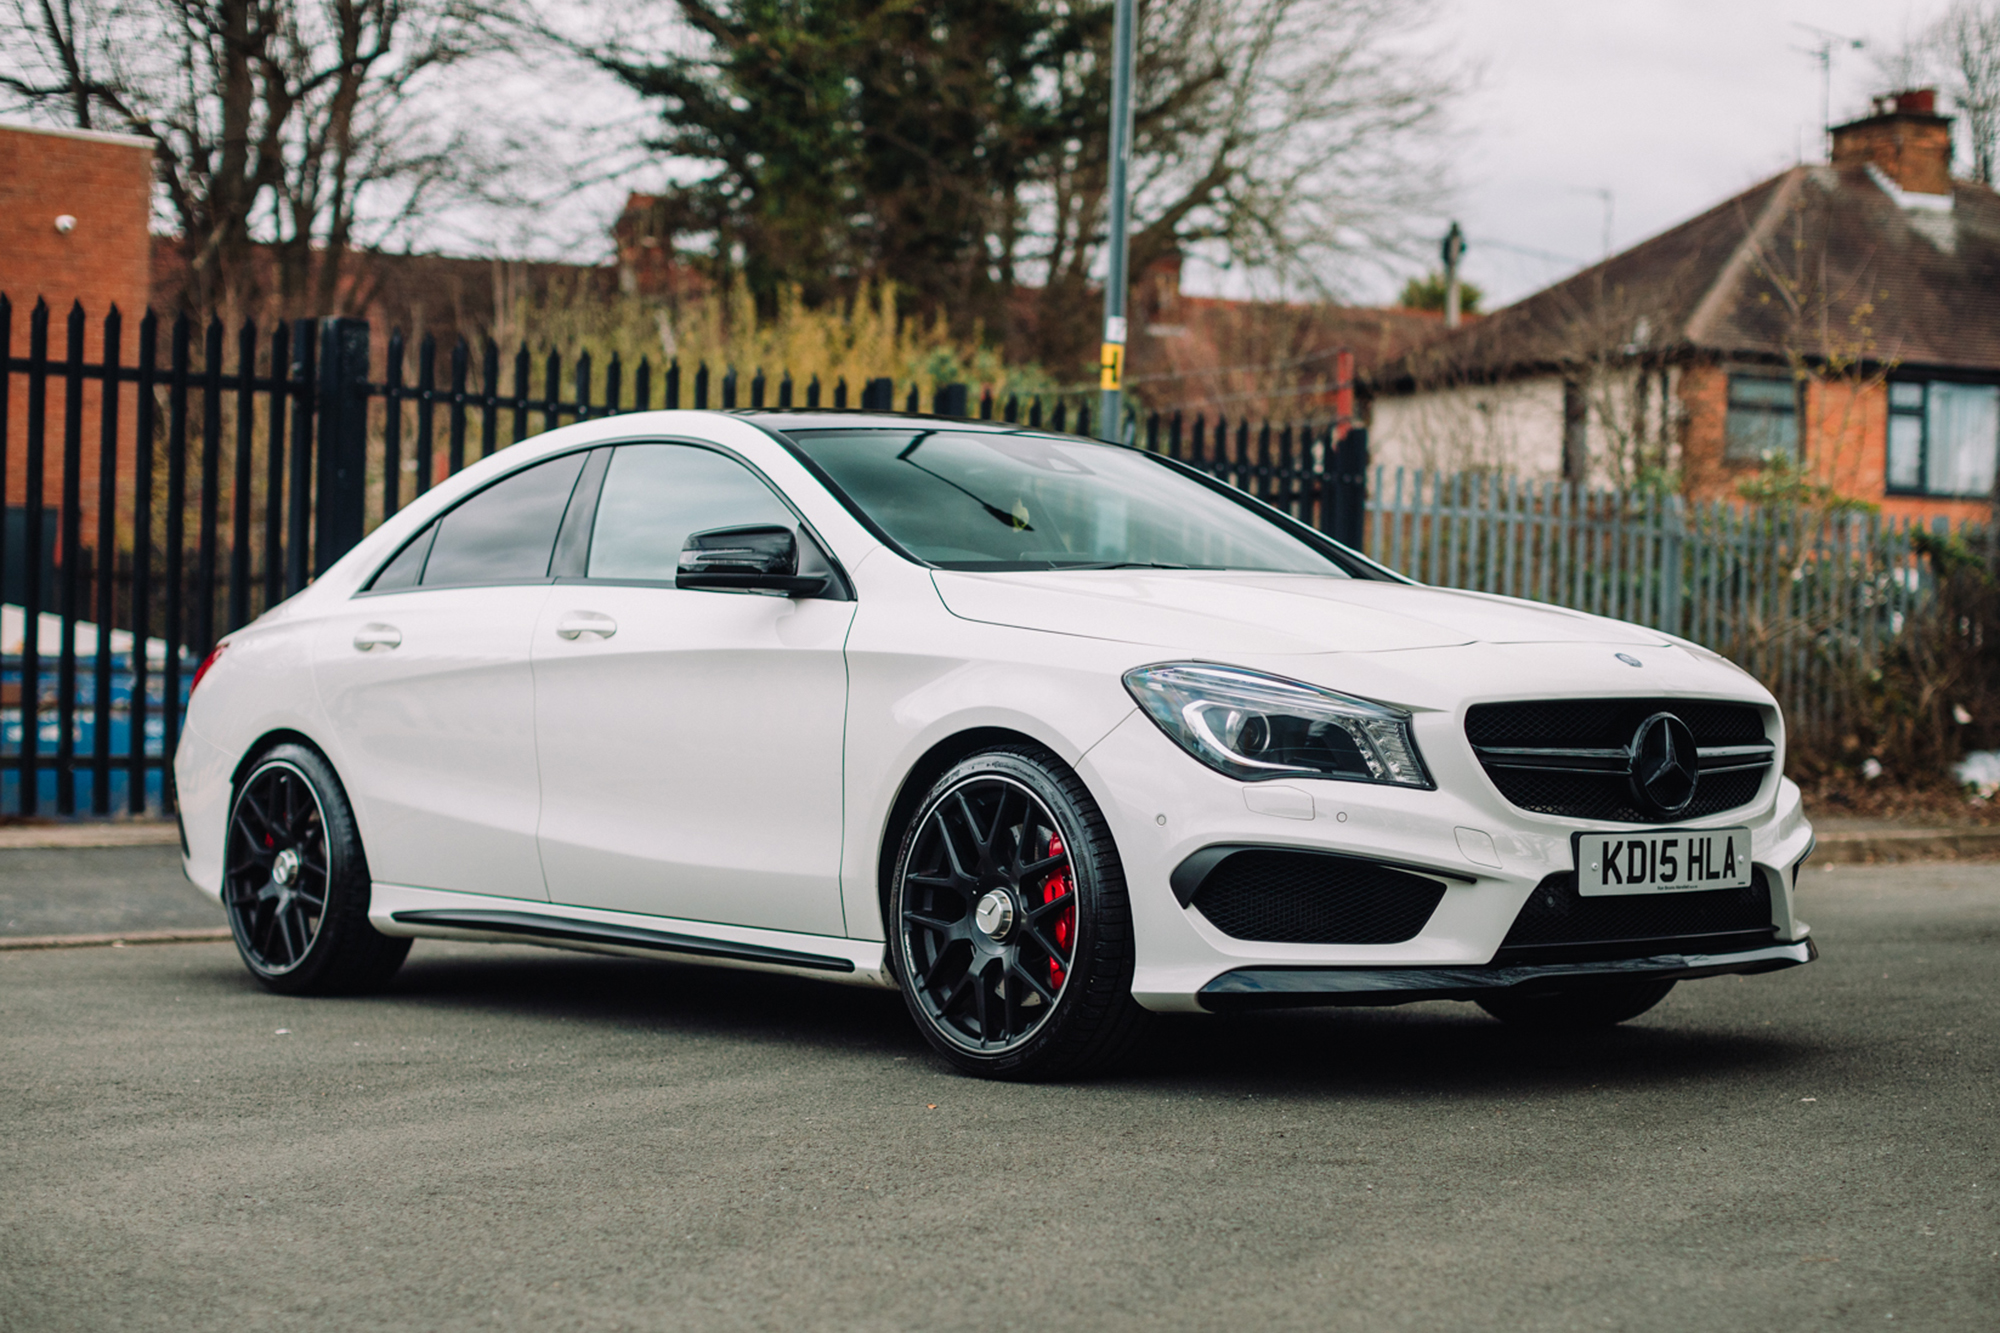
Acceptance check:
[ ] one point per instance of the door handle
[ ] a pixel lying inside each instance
(370, 637)
(576, 624)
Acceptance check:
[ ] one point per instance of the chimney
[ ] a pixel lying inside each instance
(1904, 138)
(1161, 283)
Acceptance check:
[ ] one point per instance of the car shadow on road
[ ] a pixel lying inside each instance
(1443, 1048)
(1440, 1048)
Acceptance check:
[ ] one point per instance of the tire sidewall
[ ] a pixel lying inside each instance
(1096, 972)
(347, 889)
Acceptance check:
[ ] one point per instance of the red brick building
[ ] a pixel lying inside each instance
(74, 213)
(1844, 315)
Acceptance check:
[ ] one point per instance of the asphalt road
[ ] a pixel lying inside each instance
(99, 890)
(523, 1139)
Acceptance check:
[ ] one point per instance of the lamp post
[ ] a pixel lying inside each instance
(1111, 355)
(1451, 252)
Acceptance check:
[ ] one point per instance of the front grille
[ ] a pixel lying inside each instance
(1608, 725)
(1290, 897)
(1588, 796)
(1608, 721)
(1559, 924)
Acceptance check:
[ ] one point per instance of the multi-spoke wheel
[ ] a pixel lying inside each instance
(295, 883)
(1012, 936)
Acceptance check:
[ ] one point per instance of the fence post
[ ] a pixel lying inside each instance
(1350, 488)
(878, 396)
(343, 439)
(952, 400)
(1671, 555)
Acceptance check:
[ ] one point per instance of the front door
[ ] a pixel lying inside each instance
(690, 742)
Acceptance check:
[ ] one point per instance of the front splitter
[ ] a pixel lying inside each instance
(1298, 987)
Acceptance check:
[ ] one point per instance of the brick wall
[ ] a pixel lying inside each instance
(104, 183)
(1845, 439)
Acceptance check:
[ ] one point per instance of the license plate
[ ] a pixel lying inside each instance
(1666, 861)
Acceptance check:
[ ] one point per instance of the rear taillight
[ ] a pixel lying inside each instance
(214, 656)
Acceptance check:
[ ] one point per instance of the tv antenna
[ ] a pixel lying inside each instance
(1825, 43)
(1607, 198)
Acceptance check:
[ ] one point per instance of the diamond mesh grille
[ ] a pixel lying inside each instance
(1609, 724)
(1310, 898)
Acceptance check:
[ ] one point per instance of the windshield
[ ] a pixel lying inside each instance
(997, 500)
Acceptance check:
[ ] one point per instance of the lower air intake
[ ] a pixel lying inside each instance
(1285, 897)
(1558, 924)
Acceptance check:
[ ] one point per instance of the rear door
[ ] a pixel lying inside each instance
(690, 741)
(427, 680)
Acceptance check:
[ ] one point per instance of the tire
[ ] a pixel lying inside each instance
(1009, 928)
(295, 882)
(1597, 1006)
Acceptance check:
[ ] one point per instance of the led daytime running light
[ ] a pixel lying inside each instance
(1254, 726)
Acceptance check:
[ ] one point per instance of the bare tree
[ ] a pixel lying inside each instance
(272, 121)
(1287, 139)
(1965, 45)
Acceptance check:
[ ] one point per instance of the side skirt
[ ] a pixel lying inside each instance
(435, 914)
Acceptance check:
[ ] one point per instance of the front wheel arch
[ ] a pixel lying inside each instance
(931, 766)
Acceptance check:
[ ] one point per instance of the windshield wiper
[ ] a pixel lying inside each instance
(1124, 564)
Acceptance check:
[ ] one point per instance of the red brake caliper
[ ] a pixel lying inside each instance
(1058, 884)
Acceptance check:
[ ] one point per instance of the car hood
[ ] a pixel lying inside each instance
(1212, 612)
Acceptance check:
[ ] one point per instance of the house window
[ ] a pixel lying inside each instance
(1763, 419)
(1943, 437)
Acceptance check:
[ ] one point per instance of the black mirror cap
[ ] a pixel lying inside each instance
(758, 558)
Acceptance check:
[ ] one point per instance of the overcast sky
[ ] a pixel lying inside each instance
(1671, 105)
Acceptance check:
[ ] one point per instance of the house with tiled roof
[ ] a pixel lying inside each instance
(1844, 316)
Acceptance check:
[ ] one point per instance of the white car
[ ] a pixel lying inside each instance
(1046, 733)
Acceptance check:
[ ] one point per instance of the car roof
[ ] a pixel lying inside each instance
(830, 418)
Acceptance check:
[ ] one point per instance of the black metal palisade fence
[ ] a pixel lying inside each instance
(161, 494)
(163, 489)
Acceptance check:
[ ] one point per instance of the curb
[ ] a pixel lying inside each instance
(116, 940)
(45, 837)
(1891, 845)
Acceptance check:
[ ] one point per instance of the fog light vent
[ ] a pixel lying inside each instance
(1290, 897)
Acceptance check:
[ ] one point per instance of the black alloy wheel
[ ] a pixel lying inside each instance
(295, 883)
(1013, 940)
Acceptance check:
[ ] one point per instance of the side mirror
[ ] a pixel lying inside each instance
(763, 558)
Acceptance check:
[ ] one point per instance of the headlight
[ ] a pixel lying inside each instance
(1251, 726)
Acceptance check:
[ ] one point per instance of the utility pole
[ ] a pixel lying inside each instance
(1111, 357)
(1452, 251)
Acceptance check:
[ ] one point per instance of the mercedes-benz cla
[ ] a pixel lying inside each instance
(1043, 732)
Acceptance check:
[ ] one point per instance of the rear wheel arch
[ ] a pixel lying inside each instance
(270, 741)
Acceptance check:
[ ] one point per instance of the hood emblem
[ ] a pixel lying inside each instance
(1628, 659)
(1665, 764)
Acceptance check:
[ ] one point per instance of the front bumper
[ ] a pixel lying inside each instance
(1487, 856)
(1278, 988)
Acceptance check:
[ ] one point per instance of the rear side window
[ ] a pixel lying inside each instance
(656, 494)
(408, 566)
(504, 534)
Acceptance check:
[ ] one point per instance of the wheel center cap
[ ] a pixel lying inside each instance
(285, 867)
(994, 913)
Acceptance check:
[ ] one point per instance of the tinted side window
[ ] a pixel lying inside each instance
(408, 566)
(656, 494)
(505, 533)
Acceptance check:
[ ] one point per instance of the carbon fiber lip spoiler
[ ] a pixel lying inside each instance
(1295, 987)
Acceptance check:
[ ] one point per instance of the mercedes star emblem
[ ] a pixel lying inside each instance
(1665, 764)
